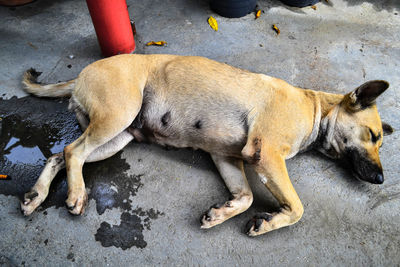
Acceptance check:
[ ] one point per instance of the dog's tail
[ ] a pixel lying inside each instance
(60, 89)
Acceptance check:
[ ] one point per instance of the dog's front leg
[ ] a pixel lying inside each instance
(272, 171)
(232, 173)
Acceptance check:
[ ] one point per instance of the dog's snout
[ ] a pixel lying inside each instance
(379, 178)
(363, 167)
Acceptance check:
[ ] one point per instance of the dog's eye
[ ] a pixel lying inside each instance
(374, 138)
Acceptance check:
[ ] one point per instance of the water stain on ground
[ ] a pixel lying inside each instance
(130, 231)
(32, 129)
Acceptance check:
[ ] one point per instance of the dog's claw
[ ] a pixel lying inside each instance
(250, 226)
(32, 200)
(28, 197)
(205, 218)
(215, 215)
(253, 226)
(258, 224)
(76, 203)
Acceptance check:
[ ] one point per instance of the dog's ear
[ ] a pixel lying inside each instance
(365, 95)
(387, 129)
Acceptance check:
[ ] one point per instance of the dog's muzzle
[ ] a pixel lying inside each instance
(362, 167)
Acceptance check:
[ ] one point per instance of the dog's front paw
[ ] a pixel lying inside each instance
(215, 215)
(259, 224)
(32, 200)
(77, 201)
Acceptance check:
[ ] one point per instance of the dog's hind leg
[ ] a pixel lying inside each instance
(56, 162)
(82, 119)
(232, 173)
(40, 190)
(104, 125)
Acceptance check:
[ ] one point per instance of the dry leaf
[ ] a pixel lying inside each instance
(213, 23)
(133, 27)
(314, 7)
(3, 176)
(276, 29)
(158, 43)
(258, 13)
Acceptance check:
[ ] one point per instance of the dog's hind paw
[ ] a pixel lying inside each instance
(31, 201)
(77, 201)
(257, 223)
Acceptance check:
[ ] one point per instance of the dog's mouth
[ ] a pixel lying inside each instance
(357, 175)
(373, 178)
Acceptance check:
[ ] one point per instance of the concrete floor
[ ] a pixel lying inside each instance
(145, 203)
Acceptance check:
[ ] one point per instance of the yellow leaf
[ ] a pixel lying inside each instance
(314, 7)
(213, 23)
(158, 43)
(276, 29)
(258, 13)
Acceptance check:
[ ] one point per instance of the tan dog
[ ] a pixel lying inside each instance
(233, 114)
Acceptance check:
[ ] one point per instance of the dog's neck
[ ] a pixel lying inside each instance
(321, 136)
(325, 141)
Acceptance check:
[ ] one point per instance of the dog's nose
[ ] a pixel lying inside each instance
(379, 178)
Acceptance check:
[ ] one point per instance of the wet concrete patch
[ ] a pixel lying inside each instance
(107, 181)
(110, 186)
(31, 130)
(130, 231)
(148, 215)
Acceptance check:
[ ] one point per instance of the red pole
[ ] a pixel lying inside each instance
(112, 24)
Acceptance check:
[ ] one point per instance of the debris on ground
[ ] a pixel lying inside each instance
(157, 43)
(314, 7)
(276, 29)
(213, 23)
(258, 13)
(3, 177)
(133, 27)
(32, 45)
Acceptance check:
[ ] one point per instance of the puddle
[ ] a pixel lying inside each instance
(16, 153)
(22, 142)
(31, 130)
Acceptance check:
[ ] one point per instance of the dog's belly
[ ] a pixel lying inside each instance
(215, 127)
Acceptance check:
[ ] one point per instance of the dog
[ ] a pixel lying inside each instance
(235, 115)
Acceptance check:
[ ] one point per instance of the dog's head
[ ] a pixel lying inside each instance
(353, 132)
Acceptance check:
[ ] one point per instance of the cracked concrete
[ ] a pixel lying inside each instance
(146, 202)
